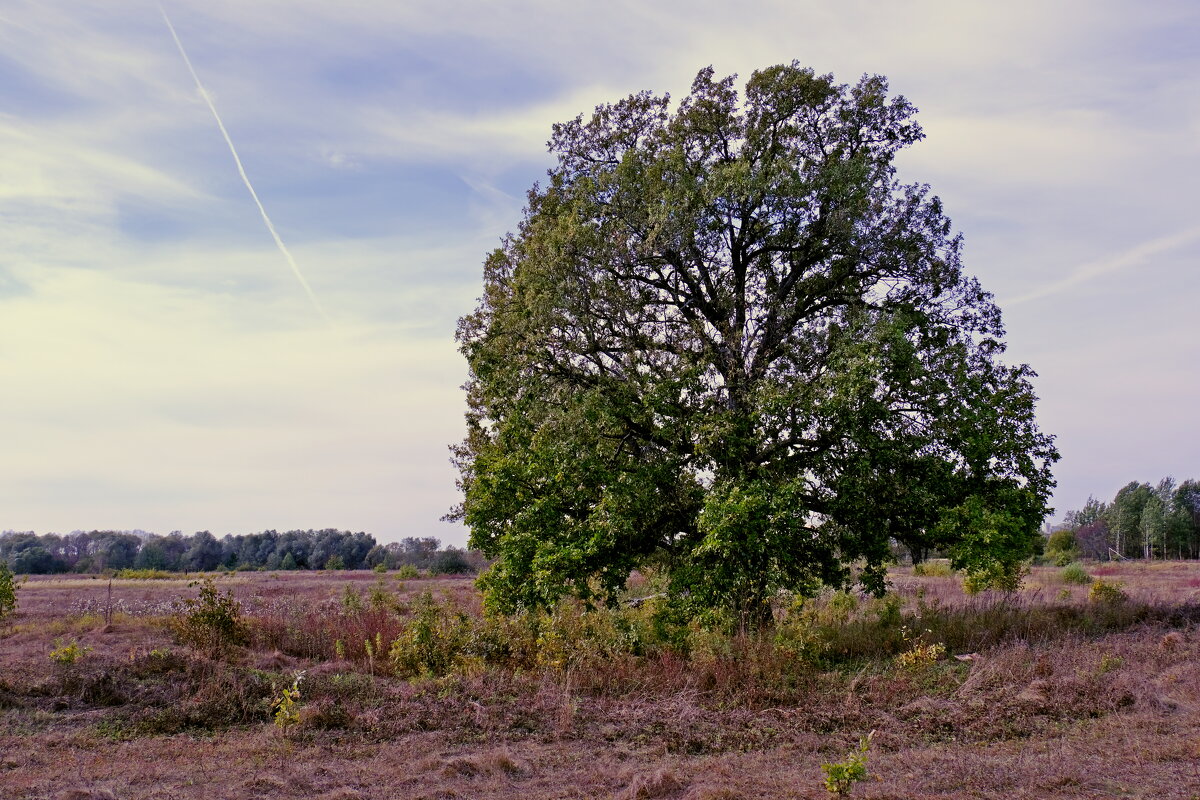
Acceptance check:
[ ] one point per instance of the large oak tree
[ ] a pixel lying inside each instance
(728, 342)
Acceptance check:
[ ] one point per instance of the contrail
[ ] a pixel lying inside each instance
(1120, 261)
(242, 171)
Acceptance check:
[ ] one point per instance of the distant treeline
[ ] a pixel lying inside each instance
(98, 551)
(1142, 521)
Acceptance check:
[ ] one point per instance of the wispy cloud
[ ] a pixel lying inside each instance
(1133, 257)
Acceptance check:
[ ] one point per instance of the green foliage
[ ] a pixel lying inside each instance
(380, 597)
(66, 654)
(433, 640)
(210, 622)
(939, 568)
(1075, 573)
(286, 704)
(8, 591)
(920, 653)
(1107, 593)
(144, 575)
(407, 572)
(352, 602)
(335, 562)
(840, 776)
(380, 569)
(686, 357)
(1061, 542)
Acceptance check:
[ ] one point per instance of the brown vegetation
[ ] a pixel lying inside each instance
(408, 691)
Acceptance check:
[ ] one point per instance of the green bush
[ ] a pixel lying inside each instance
(434, 640)
(939, 568)
(211, 622)
(144, 575)
(8, 590)
(1075, 573)
(1061, 548)
(65, 654)
(1107, 593)
(407, 572)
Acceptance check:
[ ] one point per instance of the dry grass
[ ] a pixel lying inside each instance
(1062, 697)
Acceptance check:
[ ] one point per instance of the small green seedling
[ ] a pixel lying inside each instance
(287, 705)
(840, 776)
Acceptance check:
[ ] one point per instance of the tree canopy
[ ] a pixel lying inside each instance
(726, 341)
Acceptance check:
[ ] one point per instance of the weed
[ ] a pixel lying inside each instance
(840, 776)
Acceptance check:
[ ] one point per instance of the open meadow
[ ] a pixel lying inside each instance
(168, 688)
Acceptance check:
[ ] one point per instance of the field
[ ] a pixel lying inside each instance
(1058, 691)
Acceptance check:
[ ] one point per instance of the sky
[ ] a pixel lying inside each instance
(164, 367)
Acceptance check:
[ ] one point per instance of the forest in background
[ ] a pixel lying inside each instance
(100, 551)
(1141, 521)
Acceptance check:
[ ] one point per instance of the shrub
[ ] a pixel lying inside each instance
(144, 575)
(433, 642)
(352, 602)
(8, 590)
(1108, 593)
(933, 569)
(210, 622)
(919, 654)
(1075, 573)
(65, 654)
(407, 572)
(1004, 577)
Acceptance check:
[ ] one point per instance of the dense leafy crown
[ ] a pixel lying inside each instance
(726, 341)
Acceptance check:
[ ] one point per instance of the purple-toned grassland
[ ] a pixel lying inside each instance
(1057, 695)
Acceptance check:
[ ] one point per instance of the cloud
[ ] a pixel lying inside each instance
(161, 397)
(1134, 256)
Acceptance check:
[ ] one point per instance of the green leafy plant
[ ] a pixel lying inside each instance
(840, 776)
(8, 590)
(379, 597)
(1075, 573)
(938, 568)
(1104, 592)
(407, 572)
(210, 622)
(66, 654)
(352, 602)
(432, 642)
(286, 704)
(919, 653)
